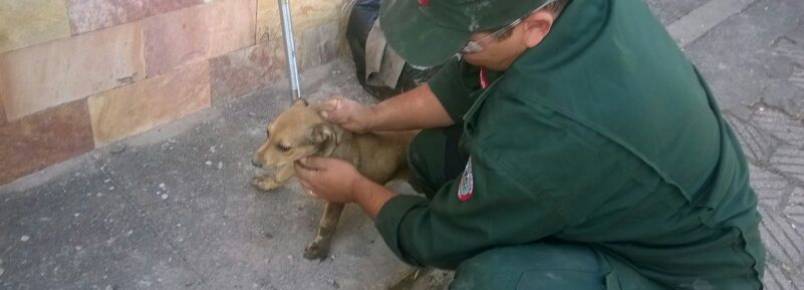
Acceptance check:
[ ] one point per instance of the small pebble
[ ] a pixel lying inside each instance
(162, 186)
(208, 163)
(164, 196)
(25, 238)
(220, 165)
(2, 271)
(78, 248)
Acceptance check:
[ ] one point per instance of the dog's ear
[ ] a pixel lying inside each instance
(301, 101)
(326, 137)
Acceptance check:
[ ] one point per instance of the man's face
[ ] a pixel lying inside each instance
(498, 53)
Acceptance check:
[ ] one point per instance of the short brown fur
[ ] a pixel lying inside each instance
(300, 132)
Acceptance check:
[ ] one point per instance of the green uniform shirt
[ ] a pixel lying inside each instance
(603, 134)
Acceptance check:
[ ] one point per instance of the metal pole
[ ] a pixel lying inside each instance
(290, 49)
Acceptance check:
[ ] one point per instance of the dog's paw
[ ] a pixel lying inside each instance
(316, 251)
(265, 183)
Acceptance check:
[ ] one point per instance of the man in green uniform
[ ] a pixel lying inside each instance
(571, 146)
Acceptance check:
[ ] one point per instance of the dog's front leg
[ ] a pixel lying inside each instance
(271, 182)
(319, 248)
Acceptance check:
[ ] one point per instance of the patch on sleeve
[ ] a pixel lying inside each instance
(467, 187)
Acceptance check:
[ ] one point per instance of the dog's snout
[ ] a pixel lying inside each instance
(256, 163)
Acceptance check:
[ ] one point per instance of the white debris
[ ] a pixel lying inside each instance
(111, 187)
(164, 196)
(107, 180)
(212, 149)
(2, 271)
(129, 232)
(25, 238)
(99, 194)
(208, 163)
(220, 165)
(162, 186)
(78, 248)
(77, 214)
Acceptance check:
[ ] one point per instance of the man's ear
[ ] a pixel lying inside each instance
(537, 26)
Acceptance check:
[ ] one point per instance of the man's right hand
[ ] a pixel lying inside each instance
(347, 113)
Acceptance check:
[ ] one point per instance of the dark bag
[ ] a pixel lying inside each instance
(361, 19)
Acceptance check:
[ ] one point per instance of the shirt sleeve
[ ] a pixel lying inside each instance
(527, 187)
(456, 85)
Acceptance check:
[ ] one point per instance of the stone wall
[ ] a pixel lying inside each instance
(79, 74)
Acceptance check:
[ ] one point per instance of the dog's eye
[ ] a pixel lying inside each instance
(282, 148)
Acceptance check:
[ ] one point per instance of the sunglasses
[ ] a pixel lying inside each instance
(475, 46)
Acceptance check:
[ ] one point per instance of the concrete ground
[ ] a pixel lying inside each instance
(172, 208)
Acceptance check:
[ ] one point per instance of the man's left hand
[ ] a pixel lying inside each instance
(328, 178)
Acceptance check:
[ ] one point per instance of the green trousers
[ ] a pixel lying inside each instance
(435, 157)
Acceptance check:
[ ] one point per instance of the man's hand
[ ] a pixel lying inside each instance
(338, 181)
(347, 113)
(330, 179)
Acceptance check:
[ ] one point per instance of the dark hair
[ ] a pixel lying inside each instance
(556, 7)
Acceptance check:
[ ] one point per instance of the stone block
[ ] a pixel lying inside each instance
(197, 33)
(317, 27)
(141, 106)
(244, 71)
(43, 76)
(29, 22)
(89, 15)
(44, 138)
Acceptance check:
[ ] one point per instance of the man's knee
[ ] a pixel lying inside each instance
(533, 267)
(434, 158)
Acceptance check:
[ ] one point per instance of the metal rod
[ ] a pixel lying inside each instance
(290, 49)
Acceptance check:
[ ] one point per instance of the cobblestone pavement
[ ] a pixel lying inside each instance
(171, 209)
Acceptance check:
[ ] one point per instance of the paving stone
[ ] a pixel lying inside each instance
(55, 237)
(89, 15)
(790, 161)
(756, 71)
(780, 125)
(791, 49)
(770, 188)
(756, 143)
(795, 207)
(43, 139)
(141, 106)
(30, 22)
(797, 78)
(43, 76)
(699, 21)
(781, 239)
(776, 279)
(669, 11)
(198, 33)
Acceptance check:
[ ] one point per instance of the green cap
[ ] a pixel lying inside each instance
(428, 32)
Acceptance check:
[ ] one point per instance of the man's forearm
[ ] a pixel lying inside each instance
(413, 110)
(371, 196)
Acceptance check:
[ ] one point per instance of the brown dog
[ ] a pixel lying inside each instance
(300, 132)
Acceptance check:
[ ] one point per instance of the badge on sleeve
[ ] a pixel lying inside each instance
(467, 187)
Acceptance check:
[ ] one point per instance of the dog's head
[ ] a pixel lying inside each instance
(297, 133)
